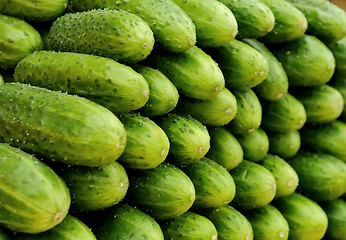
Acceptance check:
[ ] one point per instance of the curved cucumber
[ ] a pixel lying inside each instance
(336, 212)
(286, 144)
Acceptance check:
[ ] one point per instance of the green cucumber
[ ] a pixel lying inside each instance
(172, 27)
(242, 66)
(94, 188)
(108, 33)
(33, 197)
(17, 40)
(286, 144)
(224, 148)
(306, 219)
(321, 177)
(189, 139)
(336, 212)
(59, 126)
(339, 83)
(3, 235)
(163, 96)
(188, 226)
(214, 185)
(70, 228)
(194, 73)
(1, 80)
(286, 177)
(254, 144)
(268, 223)
(255, 184)
(339, 51)
(146, 144)
(217, 111)
(287, 114)
(163, 192)
(306, 60)
(215, 23)
(104, 81)
(249, 112)
(275, 85)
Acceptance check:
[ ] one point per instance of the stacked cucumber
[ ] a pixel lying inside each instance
(172, 119)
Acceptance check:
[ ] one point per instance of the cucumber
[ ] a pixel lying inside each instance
(214, 185)
(322, 103)
(59, 126)
(255, 184)
(215, 23)
(189, 139)
(306, 219)
(321, 177)
(336, 212)
(71, 228)
(33, 197)
(1, 80)
(224, 148)
(147, 145)
(290, 22)
(188, 226)
(249, 112)
(118, 35)
(339, 51)
(339, 83)
(194, 73)
(126, 222)
(251, 66)
(17, 40)
(3, 235)
(287, 114)
(104, 81)
(163, 96)
(286, 177)
(254, 18)
(254, 144)
(307, 61)
(275, 85)
(217, 111)
(260, 220)
(172, 27)
(163, 192)
(230, 224)
(94, 188)
(285, 145)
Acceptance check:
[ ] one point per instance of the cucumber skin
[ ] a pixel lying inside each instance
(104, 81)
(25, 207)
(336, 211)
(59, 126)
(285, 145)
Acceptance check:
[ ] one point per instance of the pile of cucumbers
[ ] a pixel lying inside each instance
(172, 120)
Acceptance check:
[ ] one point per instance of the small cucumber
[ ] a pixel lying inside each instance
(286, 144)
(336, 212)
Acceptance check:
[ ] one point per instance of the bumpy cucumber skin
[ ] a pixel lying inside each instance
(104, 81)
(339, 51)
(238, 228)
(286, 178)
(33, 198)
(59, 126)
(163, 192)
(251, 66)
(163, 96)
(213, 184)
(290, 22)
(336, 212)
(339, 83)
(224, 148)
(70, 228)
(215, 23)
(126, 222)
(264, 217)
(285, 145)
(172, 27)
(254, 18)
(306, 60)
(249, 112)
(189, 139)
(118, 35)
(18, 39)
(147, 145)
(217, 111)
(275, 85)
(188, 226)
(326, 20)
(95, 188)
(194, 73)
(306, 219)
